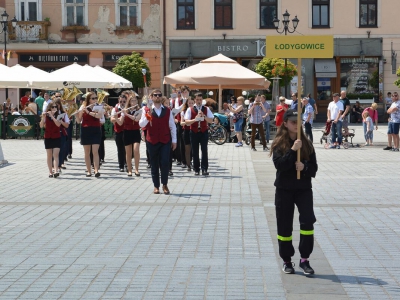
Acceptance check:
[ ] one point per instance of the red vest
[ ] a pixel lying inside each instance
(52, 131)
(89, 121)
(178, 116)
(158, 131)
(118, 128)
(203, 124)
(129, 124)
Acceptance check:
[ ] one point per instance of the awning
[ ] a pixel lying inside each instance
(325, 68)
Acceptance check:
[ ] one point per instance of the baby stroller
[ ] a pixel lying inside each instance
(327, 137)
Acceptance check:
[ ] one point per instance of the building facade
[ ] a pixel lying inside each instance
(51, 34)
(365, 41)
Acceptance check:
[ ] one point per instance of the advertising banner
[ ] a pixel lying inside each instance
(21, 126)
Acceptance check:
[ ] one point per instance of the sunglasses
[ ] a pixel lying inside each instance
(94, 98)
(54, 106)
(395, 95)
(157, 95)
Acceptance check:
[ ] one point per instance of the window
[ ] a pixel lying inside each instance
(223, 14)
(368, 13)
(28, 10)
(128, 13)
(268, 12)
(185, 14)
(320, 13)
(75, 12)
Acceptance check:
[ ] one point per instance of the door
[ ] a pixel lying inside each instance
(28, 10)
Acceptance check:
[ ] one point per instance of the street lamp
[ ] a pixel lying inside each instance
(4, 29)
(285, 30)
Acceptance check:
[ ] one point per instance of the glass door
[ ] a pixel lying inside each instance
(28, 10)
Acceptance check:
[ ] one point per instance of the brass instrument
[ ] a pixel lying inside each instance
(66, 93)
(73, 93)
(71, 109)
(101, 94)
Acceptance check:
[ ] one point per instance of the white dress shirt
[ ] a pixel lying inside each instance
(188, 114)
(171, 123)
(45, 104)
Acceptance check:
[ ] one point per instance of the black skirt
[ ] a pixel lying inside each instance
(186, 137)
(131, 137)
(91, 135)
(52, 143)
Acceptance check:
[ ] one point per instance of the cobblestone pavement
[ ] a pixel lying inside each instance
(212, 238)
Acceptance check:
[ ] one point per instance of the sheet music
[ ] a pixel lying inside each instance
(61, 116)
(138, 112)
(98, 108)
(199, 118)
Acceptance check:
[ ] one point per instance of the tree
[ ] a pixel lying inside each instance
(271, 67)
(130, 67)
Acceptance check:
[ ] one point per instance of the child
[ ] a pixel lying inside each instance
(216, 121)
(370, 127)
(290, 191)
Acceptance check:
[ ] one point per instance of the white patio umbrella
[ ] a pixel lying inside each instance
(116, 80)
(219, 72)
(85, 77)
(20, 77)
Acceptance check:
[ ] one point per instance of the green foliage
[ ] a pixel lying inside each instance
(397, 82)
(361, 96)
(130, 67)
(374, 80)
(269, 67)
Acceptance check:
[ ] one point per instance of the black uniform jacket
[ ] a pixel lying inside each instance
(286, 174)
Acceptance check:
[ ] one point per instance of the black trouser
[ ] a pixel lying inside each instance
(178, 151)
(147, 149)
(285, 200)
(159, 157)
(196, 139)
(63, 150)
(102, 152)
(308, 129)
(119, 141)
(181, 143)
(69, 139)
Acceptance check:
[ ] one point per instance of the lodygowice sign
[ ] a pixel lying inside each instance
(320, 46)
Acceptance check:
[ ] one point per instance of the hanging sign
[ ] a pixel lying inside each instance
(319, 46)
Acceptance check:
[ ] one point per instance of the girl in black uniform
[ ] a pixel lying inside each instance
(291, 191)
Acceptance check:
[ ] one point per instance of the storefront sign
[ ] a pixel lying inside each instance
(113, 57)
(21, 126)
(299, 46)
(54, 58)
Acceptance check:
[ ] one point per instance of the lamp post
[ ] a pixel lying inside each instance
(285, 30)
(4, 29)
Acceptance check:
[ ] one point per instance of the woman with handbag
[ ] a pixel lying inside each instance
(238, 119)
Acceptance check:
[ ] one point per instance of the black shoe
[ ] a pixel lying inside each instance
(204, 173)
(97, 174)
(63, 167)
(148, 166)
(121, 170)
(253, 149)
(178, 163)
(265, 149)
(189, 169)
(51, 175)
(184, 166)
(56, 175)
(69, 156)
(288, 268)
(137, 174)
(387, 148)
(305, 266)
(170, 173)
(89, 175)
(197, 173)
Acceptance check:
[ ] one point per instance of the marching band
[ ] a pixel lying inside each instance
(164, 123)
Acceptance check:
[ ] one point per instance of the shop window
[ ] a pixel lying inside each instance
(185, 14)
(368, 13)
(223, 14)
(75, 12)
(320, 13)
(268, 12)
(128, 12)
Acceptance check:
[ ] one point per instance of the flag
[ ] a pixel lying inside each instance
(8, 55)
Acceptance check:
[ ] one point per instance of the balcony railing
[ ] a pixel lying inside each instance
(30, 31)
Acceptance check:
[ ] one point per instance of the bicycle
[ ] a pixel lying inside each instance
(217, 134)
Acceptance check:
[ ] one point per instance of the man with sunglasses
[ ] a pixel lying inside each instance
(160, 138)
(198, 117)
(116, 119)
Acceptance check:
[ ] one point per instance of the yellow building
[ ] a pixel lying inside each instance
(51, 34)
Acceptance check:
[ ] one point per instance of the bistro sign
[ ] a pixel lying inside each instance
(53, 58)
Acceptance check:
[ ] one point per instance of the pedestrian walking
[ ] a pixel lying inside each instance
(335, 110)
(291, 191)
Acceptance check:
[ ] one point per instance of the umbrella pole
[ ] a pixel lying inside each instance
(219, 98)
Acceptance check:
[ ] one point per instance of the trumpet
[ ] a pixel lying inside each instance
(101, 94)
(73, 93)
